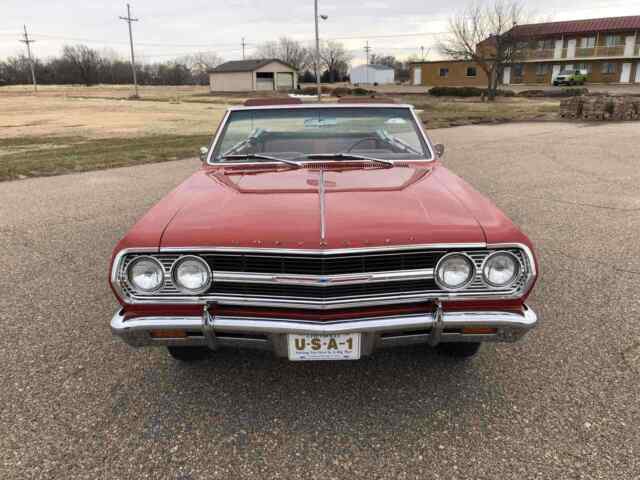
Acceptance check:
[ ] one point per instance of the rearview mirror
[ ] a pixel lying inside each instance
(204, 152)
(439, 148)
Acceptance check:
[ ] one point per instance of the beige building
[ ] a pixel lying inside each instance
(607, 49)
(253, 75)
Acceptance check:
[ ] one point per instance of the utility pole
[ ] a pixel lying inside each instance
(422, 49)
(319, 89)
(243, 47)
(128, 19)
(28, 42)
(367, 50)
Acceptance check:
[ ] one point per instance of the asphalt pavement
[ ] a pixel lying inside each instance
(562, 404)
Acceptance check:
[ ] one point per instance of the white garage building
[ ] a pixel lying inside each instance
(380, 74)
(253, 75)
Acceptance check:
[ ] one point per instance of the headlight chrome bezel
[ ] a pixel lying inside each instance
(132, 284)
(183, 289)
(442, 284)
(516, 274)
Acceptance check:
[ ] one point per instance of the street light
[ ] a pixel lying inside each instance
(323, 17)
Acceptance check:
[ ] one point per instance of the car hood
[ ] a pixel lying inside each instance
(317, 208)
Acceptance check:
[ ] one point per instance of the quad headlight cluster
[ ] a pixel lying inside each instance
(190, 274)
(455, 271)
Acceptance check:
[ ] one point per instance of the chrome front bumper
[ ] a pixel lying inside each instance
(379, 332)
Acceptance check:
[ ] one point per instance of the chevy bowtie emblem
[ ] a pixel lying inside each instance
(322, 280)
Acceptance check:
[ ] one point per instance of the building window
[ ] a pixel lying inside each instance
(542, 69)
(608, 68)
(444, 72)
(612, 40)
(547, 44)
(518, 70)
(587, 42)
(471, 72)
(584, 67)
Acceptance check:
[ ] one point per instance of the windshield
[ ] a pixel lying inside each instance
(381, 133)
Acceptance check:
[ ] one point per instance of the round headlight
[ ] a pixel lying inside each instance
(192, 275)
(454, 271)
(145, 274)
(500, 269)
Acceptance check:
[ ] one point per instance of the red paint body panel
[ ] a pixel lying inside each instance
(374, 207)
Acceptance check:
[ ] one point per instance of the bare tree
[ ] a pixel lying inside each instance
(85, 60)
(485, 34)
(200, 63)
(335, 59)
(286, 50)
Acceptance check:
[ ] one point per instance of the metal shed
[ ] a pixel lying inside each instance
(253, 75)
(380, 74)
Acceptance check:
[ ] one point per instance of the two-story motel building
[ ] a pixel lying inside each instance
(607, 48)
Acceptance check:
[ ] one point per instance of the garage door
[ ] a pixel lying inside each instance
(264, 81)
(285, 81)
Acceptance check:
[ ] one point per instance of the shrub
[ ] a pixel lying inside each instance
(456, 91)
(314, 90)
(359, 91)
(342, 92)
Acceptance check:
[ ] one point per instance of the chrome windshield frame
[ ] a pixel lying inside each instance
(223, 124)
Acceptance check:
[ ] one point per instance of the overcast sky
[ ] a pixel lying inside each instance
(168, 29)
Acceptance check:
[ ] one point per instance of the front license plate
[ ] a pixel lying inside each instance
(324, 347)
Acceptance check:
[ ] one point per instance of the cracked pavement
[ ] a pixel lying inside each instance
(563, 403)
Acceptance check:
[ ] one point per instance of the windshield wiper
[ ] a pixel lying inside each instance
(349, 156)
(260, 156)
(392, 139)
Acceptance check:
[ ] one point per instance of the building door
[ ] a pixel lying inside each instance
(625, 74)
(629, 45)
(555, 72)
(506, 76)
(571, 48)
(557, 49)
(417, 75)
(638, 72)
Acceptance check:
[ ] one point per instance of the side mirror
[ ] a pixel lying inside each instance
(204, 152)
(439, 148)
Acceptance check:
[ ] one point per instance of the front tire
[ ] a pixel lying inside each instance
(188, 354)
(459, 349)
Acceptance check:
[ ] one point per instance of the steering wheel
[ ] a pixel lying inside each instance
(358, 142)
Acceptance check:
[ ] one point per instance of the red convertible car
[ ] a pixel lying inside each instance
(322, 232)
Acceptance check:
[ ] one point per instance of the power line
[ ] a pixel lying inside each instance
(27, 41)
(128, 19)
(143, 44)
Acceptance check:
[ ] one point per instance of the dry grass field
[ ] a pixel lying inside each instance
(64, 129)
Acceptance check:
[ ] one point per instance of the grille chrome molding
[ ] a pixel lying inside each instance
(343, 290)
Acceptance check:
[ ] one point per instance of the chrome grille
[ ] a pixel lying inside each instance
(269, 290)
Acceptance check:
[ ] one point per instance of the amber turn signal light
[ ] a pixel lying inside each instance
(168, 333)
(479, 330)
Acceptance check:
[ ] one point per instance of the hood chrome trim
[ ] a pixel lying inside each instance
(321, 193)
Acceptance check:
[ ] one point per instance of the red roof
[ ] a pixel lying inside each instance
(610, 24)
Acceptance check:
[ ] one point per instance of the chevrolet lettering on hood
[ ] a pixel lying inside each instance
(322, 232)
